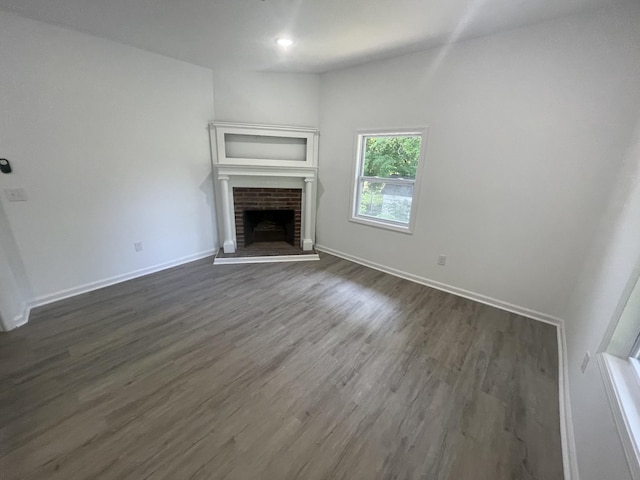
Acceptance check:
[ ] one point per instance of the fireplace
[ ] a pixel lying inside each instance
(267, 215)
(261, 171)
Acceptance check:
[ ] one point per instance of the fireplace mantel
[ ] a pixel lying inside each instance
(263, 155)
(262, 171)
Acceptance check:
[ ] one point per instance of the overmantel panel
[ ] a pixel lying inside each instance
(264, 145)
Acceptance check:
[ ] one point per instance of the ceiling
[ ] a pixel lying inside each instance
(329, 34)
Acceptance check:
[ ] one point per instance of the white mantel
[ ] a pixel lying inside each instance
(271, 171)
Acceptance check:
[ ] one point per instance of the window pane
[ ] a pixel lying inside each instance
(386, 201)
(391, 156)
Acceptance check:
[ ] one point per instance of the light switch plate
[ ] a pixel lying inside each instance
(15, 194)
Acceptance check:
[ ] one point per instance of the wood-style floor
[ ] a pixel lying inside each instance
(314, 370)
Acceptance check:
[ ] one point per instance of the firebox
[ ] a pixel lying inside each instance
(269, 226)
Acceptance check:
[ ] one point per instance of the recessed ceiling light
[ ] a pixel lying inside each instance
(284, 42)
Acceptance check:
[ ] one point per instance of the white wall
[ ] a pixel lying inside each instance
(111, 146)
(267, 98)
(527, 131)
(607, 273)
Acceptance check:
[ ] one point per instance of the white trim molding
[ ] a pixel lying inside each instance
(567, 436)
(622, 386)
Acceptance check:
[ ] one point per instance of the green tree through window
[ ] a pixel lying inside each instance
(387, 157)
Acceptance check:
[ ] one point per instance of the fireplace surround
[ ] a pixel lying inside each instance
(259, 168)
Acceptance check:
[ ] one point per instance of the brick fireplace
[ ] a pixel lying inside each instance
(266, 200)
(265, 187)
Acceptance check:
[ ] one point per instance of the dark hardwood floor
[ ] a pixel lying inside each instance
(313, 370)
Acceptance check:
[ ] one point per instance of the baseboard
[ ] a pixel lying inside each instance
(89, 287)
(569, 453)
(493, 302)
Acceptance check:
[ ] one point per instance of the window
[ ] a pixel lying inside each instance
(386, 179)
(621, 373)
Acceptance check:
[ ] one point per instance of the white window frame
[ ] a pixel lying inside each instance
(621, 374)
(359, 178)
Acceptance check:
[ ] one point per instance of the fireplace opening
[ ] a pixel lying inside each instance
(269, 226)
(260, 200)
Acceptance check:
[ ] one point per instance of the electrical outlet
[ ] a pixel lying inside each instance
(137, 246)
(442, 260)
(585, 361)
(15, 194)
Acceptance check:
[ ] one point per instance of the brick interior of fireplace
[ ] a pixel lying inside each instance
(278, 211)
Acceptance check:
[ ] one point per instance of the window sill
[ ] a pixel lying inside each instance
(372, 222)
(622, 385)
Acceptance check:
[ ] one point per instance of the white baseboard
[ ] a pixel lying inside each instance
(89, 287)
(493, 302)
(569, 458)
